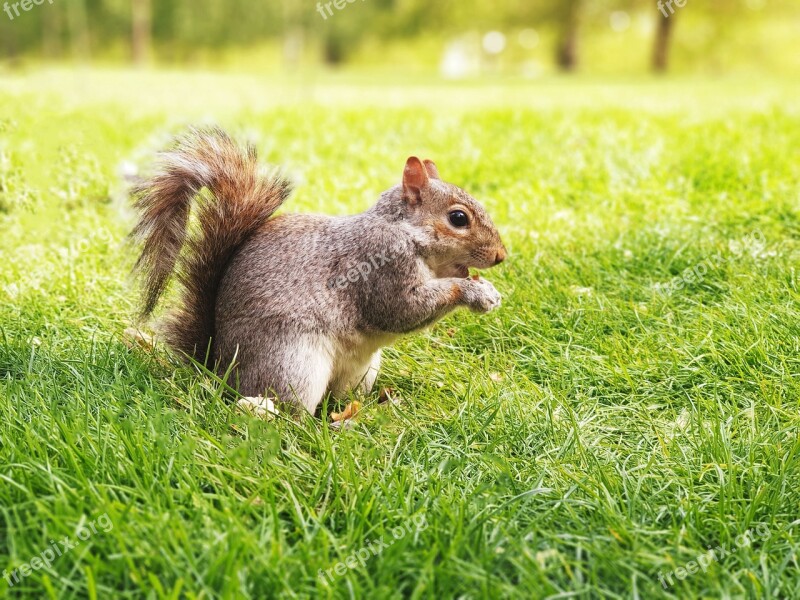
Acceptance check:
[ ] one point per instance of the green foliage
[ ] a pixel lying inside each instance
(722, 35)
(614, 419)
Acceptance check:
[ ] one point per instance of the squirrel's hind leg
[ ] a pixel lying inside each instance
(292, 367)
(351, 377)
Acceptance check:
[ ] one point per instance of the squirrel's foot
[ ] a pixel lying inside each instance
(258, 406)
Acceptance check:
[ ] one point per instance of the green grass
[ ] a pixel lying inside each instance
(611, 422)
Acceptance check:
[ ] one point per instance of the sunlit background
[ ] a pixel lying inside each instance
(456, 39)
(632, 404)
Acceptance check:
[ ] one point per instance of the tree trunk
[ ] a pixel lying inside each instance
(662, 40)
(78, 29)
(140, 32)
(51, 32)
(333, 50)
(293, 33)
(8, 39)
(567, 48)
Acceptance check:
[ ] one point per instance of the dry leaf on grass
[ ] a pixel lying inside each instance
(133, 337)
(388, 395)
(349, 412)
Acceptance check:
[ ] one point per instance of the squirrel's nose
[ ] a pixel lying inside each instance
(501, 256)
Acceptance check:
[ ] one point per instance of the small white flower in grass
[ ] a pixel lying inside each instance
(545, 555)
(683, 420)
(678, 427)
(581, 291)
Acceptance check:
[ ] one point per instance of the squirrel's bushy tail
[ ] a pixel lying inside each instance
(240, 199)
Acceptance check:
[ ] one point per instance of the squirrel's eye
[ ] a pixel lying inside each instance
(458, 218)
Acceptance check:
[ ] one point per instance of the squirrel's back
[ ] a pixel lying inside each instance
(289, 269)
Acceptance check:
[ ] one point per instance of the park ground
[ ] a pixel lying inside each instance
(633, 407)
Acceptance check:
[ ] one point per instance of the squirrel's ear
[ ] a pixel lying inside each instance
(430, 167)
(415, 177)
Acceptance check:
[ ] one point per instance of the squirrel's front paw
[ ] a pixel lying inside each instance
(481, 296)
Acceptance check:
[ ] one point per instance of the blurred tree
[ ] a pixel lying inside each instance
(78, 24)
(185, 30)
(51, 32)
(663, 36)
(565, 17)
(568, 15)
(140, 31)
(342, 30)
(294, 27)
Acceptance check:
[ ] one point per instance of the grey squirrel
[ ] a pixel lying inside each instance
(300, 304)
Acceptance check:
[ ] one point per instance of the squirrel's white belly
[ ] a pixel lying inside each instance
(356, 361)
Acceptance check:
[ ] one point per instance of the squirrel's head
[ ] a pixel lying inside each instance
(459, 233)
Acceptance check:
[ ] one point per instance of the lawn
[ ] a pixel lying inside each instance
(633, 406)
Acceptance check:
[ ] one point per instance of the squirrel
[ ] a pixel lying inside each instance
(300, 305)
